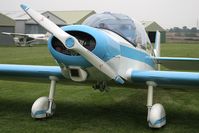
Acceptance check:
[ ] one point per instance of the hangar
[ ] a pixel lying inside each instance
(20, 22)
(61, 18)
(151, 27)
(6, 25)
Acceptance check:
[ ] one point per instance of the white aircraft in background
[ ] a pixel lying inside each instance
(106, 47)
(27, 39)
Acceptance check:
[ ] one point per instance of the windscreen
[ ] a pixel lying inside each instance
(118, 23)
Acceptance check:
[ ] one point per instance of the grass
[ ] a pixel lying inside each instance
(83, 110)
(180, 50)
(26, 55)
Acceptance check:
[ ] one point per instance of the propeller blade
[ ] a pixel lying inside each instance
(71, 42)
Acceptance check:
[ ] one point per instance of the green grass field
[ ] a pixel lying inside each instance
(80, 109)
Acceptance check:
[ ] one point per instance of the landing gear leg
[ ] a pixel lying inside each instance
(44, 106)
(150, 97)
(156, 116)
(51, 94)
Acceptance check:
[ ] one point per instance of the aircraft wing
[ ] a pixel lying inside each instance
(32, 36)
(167, 78)
(178, 63)
(14, 34)
(14, 72)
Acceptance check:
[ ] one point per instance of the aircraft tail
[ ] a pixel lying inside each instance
(157, 44)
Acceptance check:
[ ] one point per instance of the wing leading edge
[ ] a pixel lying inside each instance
(29, 71)
(166, 78)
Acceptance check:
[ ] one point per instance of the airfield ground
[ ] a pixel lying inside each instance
(80, 109)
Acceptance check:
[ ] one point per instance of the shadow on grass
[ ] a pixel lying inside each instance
(71, 115)
(117, 115)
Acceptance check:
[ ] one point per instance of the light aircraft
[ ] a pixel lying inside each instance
(27, 39)
(106, 47)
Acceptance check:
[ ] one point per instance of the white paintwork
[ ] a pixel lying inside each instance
(124, 66)
(40, 105)
(150, 84)
(157, 44)
(125, 43)
(63, 36)
(51, 94)
(117, 65)
(157, 116)
(97, 62)
(44, 106)
(124, 69)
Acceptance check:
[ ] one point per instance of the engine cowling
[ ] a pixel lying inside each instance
(93, 39)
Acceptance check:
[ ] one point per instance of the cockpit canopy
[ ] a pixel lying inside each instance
(123, 25)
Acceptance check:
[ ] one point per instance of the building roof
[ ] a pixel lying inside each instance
(17, 15)
(6, 21)
(152, 26)
(70, 17)
(50, 16)
(73, 17)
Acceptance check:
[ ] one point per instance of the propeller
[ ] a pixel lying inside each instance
(72, 43)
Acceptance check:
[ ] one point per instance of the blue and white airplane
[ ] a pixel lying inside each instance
(27, 39)
(106, 47)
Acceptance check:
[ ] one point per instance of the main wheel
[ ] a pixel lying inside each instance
(39, 108)
(157, 116)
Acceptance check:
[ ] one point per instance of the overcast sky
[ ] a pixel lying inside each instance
(168, 13)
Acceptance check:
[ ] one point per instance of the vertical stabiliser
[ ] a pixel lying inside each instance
(157, 44)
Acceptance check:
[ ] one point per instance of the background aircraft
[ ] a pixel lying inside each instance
(107, 47)
(27, 39)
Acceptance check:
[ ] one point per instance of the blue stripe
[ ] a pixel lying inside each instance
(106, 49)
(133, 53)
(40, 112)
(161, 120)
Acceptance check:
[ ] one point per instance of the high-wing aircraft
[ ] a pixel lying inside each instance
(106, 47)
(27, 39)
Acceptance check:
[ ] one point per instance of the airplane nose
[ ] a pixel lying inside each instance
(90, 38)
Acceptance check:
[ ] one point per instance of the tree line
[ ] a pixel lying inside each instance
(185, 31)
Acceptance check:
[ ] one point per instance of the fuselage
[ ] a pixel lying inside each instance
(120, 54)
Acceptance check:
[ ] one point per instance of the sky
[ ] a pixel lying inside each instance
(168, 13)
